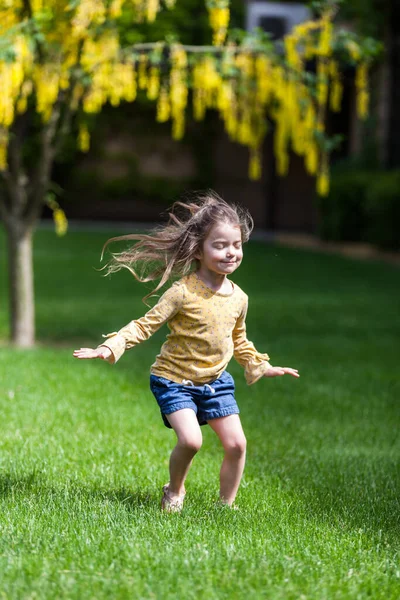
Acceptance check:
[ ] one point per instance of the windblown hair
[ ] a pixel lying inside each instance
(170, 250)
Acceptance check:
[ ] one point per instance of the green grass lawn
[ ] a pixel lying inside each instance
(84, 454)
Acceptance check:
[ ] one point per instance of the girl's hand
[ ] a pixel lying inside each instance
(277, 371)
(101, 352)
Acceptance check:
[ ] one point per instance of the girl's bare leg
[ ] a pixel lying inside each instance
(187, 429)
(230, 432)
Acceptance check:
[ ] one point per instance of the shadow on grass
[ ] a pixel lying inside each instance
(366, 506)
(12, 484)
(350, 496)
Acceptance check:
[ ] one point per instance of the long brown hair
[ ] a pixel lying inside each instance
(170, 250)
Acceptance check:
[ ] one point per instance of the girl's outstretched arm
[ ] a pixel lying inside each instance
(101, 352)
(277, 371)
(139, 330)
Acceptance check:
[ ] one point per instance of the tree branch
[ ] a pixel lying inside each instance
(45, 162)
(4, 214)
(27, 8)
(63, 129)
(65, 120)
(17, 178)
(52, 137)
(66, 98)
(6, 177)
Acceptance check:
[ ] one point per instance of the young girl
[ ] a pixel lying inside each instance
(205, 312)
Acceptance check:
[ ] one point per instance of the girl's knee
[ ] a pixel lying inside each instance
(236, 447)
(191, 443)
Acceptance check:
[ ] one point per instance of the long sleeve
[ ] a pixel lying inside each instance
(139, 330)
(255, 364)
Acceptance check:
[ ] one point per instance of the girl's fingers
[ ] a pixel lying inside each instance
(274, 372)
(85, 353)
(293, 372)
(287, 371)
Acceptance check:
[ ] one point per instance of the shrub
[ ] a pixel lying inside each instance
(382, 209)
(342, 214)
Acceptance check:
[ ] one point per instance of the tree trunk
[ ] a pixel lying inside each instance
(21, 292)
(383, 85)
(393, 157)
(21, 199)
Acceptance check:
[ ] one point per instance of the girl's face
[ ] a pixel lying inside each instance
(222, 249)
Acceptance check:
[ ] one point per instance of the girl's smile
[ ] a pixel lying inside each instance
(222, 250)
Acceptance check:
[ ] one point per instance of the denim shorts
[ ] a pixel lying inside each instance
(210, 401)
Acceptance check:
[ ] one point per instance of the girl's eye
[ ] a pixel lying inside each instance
(218, 246)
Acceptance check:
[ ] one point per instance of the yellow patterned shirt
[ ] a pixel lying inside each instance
(206, 327)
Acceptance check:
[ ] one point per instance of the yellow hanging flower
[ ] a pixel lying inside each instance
(37, 6)
(199, 105)
(225, 97)
(263, 80)
(362, 75)
(231, 123)
(22, 104)
(311, 158)
(59, 216)
(163, 106)
(280, 146)
(322, 86)
(336, 91)
(206, 86)
(47, 80)
(324, 48)
(244, 130)
(142, 72)
(83, 138)
(292, 55)
(153, 7)
(178, 128)
(362, 104)
(178, 91)
(60, 222)
(255, 164)
(354, 50)
(362, 90)
(153, 87)
(3, 149)
(323, 176)
(219, 20)
(115, 9)
(323, 184)
(88, 12)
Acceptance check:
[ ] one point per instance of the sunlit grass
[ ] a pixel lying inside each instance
(84, 453)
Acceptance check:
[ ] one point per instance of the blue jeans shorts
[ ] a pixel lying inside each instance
(210, 401)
